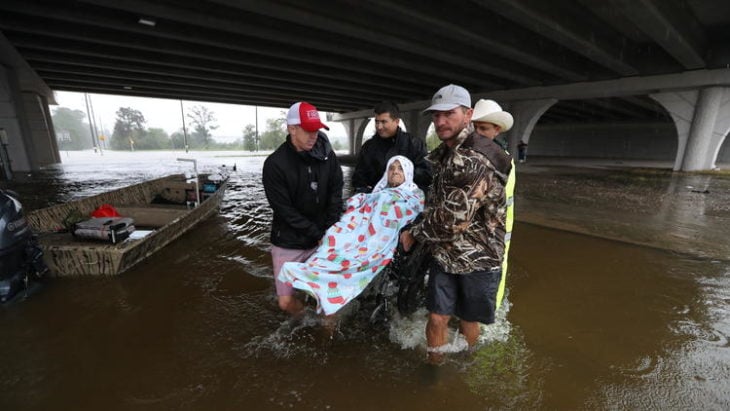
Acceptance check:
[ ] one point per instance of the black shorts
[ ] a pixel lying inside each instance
(471, 297)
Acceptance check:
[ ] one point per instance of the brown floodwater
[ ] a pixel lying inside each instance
(589, 322)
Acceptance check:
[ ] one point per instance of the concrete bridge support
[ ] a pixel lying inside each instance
(526, 113)
(355, 128)
(417, 123)
(702, 118)
(26, 121)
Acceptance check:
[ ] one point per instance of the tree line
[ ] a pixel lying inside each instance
(131, 132)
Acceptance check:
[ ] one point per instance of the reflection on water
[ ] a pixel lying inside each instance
(619, 318)
(686, 213)
(591, 323)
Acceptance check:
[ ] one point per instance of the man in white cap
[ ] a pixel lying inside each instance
(489, 121)
(303, 184)
(462, 225)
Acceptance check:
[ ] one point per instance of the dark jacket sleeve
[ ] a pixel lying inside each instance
(334, 203)
(422, 173)
(275, 187)
(361, 174)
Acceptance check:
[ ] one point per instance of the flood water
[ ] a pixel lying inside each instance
(589, 323)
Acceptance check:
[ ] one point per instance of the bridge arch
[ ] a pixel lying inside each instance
(632, 128)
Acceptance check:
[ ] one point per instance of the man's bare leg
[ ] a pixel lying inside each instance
(290, 304)
(436, 335)
(470, 330)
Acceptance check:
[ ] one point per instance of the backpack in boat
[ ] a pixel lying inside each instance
(105, 210)
(111, 229)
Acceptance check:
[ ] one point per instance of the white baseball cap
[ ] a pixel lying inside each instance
(448, 98)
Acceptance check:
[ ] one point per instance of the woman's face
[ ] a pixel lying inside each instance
(396, 176)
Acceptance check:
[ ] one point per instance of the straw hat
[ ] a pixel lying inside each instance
(489, 111)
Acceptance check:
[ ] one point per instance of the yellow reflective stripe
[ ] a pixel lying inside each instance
(509, 194)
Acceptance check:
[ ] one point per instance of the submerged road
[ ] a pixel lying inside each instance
(590, 323)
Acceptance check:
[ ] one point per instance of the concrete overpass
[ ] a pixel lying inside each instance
(556, 63)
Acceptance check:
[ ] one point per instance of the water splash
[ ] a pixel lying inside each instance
(294, 337)
(409, 332)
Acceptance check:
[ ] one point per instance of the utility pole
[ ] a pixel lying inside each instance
(96, 130)
(91, 127)
(102, 134)
(256, 142)
(185, 130)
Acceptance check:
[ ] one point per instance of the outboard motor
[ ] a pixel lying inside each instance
(21, 259)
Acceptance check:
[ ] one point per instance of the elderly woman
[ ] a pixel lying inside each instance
(356, 248)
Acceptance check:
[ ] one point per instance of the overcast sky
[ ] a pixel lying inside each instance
(165, 114)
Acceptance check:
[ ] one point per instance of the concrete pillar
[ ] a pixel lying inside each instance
(354, 129)
(417, 123)
(702, 119)
(526, 113)
(26, 120)
(40, 125)
(722, 127)
(698, 154)
(19, 154)
(681, 106)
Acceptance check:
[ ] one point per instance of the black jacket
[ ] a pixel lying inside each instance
(305, 191)
(376, 152)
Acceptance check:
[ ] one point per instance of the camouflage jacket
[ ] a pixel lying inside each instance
(463, 224)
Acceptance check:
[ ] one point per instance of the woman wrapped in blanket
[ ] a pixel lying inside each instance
(356, 248)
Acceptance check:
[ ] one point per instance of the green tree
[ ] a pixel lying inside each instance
(153, 139)
(130, 125)
(202, 121)
(233, 145)
(178, 140)
(71, 130)
(249, 137)
(274, 135)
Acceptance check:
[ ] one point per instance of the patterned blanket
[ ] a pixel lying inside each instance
(356, 248)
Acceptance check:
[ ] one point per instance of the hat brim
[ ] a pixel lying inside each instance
(441, 107)
(311, 126)
(502, 119)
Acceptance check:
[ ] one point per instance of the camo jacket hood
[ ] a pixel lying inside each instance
(463, 224)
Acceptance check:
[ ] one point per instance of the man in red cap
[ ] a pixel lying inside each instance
(303, 184)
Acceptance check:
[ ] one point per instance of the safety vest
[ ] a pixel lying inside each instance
(509, 191)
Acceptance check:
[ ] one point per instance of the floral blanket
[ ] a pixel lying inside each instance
(356, 248)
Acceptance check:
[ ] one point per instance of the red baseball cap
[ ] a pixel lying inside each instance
(306, 116)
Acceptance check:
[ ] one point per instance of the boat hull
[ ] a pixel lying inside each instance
(68, 256)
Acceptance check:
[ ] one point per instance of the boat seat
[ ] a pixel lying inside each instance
(152, 215)
(174, 192)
